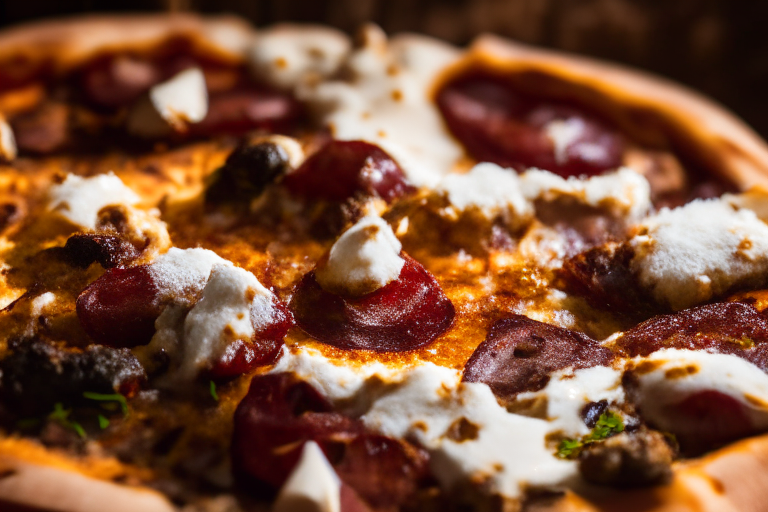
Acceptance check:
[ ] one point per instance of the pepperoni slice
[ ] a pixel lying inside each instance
(499, 125)
(247, 108)
(724, 327)
(340, 169)
(280, 413)
(406, 314)
(115, 81)
(243, 356)
(520, 354)
(119, 309)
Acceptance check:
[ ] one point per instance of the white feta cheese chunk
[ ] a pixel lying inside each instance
(667, 377)
(221, 316)
(489, 189)
(568, 391)
(698, 251)
(563, 133)
(365, 258)
(625, 192)
(312, 486)
(7, 141)
(181, 274)
(182, 99)
(385, 99)
(469, 435)
(79, 199)
(286, 55)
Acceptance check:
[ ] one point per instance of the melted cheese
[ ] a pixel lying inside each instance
(385, 101)
(677, 374)
(624, 192)
(690, 254)
(489, 189)
(286, 56)
(312, 486)
(79, 199)
(365, 258)
(181, 274)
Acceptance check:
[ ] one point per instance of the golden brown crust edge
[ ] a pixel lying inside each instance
(640, 103)
(62, 44)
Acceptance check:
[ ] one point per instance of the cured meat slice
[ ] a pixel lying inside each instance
(119, 309)
(280, 413)
(341, 169)
(497, 124)
(405, 314)
(724, 327)
(520, 354)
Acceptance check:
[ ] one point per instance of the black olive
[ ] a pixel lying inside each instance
(247, 172)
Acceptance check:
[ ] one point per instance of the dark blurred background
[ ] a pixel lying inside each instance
(719, 47)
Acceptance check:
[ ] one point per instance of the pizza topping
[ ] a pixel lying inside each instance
(624, 193)
(117, 81)
(356, 167)
(693, 253)
(726, 327)
(520, 354)
(119, 309)
(490, 190)
(313, 481)
(181, 274)
(704, 399)
(406, 314)
(497, 124)
(285, 57)
(109, 251)
(249, 169)
(364, 259)
(43, 129)
(38, 373)
(629, 459)
(79, 199)
(8, 148)
(279, 414)
(383, 99)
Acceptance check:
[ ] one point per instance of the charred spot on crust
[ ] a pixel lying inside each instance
(247, 172)
(37, 374)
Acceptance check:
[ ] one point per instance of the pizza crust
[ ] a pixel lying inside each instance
(730, 479)
(651, 109)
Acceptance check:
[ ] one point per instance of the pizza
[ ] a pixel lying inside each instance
(252, 269)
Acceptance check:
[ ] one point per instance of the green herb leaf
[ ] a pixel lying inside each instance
(111, 397)
(61, 415)
(103, 422)
(214, 394)
(608, 424)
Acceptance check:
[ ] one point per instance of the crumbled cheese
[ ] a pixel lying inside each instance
(79, 199)
(624, 192)
(182, 99)
(385, 99)
(181, 274)
(563, 133)
(7, 141)
(428, 403)
(312, 486)
(365, 258)
(672, 375)
(568, 391)
(755, 199)
(285, 56)
(221, 316)
(489, 189)
(506, 451)
(37, 308)
(698, 251)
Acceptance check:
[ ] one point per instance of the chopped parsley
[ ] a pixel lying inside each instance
(61, 415)
(109, 397)
(214, 394)
(608, 424)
